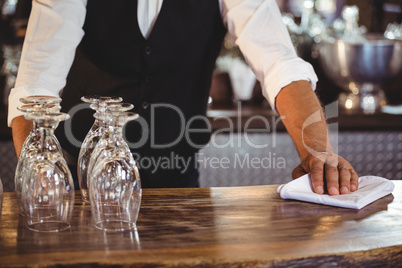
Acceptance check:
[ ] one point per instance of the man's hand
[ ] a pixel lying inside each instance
(21, 129)
(297, 103)
(329, 169)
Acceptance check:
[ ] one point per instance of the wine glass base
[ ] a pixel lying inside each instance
(115, 226)
(49, 226)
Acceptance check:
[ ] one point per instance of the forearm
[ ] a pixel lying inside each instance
(20, 130)
(303, 118)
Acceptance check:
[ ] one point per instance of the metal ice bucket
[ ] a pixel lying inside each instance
(362, 68)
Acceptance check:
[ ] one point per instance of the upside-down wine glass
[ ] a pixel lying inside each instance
(99, 104)
(114, 181)
(31, 142)
(48, 189)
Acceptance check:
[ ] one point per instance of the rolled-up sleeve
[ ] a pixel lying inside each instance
(53, 34)
(256, 27)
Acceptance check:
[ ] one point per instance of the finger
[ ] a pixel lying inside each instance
(332, 177)
(317, 176)
(298, 172)
(354, 181)
(344, 178)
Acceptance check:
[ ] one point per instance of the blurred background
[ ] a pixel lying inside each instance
(355, 49)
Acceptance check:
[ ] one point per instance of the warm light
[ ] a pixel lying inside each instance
(353, 88)
(349, 104)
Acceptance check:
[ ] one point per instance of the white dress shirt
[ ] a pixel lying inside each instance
(55, 30)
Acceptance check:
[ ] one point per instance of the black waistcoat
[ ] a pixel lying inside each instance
(173, 66)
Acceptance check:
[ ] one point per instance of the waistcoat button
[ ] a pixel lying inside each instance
(148, 50)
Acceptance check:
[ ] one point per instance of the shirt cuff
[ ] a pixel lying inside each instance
(19, 92)
(283, 74)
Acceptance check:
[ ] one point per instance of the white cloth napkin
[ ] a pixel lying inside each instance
(370, 189)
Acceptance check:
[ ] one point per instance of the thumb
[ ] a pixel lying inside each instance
(298, 172)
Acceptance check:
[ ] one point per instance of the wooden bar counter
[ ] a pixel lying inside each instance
(230, 227)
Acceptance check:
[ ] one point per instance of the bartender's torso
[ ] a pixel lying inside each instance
(166, 75)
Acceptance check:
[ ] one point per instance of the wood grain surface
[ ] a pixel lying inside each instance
(231, 227)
